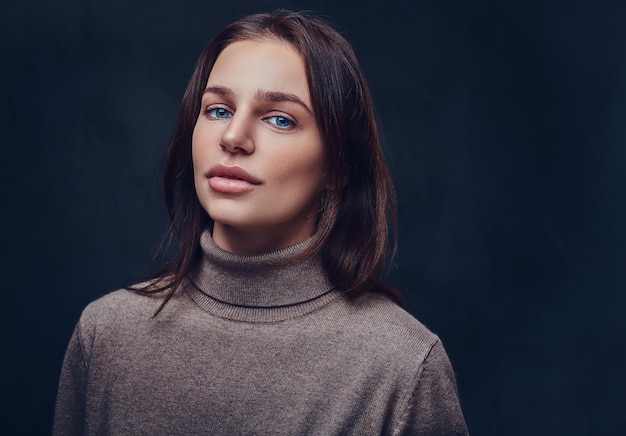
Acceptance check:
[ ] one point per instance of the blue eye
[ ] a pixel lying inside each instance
(280, 122)
(218, 113)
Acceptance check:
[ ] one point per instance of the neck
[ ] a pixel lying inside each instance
(253, 241)
(258, 287)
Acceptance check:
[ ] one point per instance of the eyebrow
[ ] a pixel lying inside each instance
(219, 90)
(276, 96)
(273, 96)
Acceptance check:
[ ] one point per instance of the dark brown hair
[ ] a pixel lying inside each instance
(358, 210)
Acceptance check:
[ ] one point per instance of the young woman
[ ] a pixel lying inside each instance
(272, 320)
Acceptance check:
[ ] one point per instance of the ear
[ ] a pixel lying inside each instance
(330, 186)
(330, 179)
(344, 178)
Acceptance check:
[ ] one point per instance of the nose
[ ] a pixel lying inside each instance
(237, 137)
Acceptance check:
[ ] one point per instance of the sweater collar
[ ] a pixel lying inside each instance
(240, 286)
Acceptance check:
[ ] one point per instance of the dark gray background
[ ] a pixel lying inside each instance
(505, 127)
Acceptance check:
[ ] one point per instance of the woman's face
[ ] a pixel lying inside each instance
(257, 152)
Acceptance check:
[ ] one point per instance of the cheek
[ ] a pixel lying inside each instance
(198, 148)
(307, 172)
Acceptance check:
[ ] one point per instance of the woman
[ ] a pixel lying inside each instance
(272, 320)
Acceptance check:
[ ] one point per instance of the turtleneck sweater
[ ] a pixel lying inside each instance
(254, 345)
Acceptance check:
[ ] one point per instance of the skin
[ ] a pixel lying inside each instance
(256, 115)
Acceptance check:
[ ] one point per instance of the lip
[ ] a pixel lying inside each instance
(231, 180)
(234, 172)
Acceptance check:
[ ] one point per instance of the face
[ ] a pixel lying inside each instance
(257, 152)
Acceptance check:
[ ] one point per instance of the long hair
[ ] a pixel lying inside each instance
(358, 210)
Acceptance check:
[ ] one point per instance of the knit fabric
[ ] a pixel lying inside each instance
(251, 347)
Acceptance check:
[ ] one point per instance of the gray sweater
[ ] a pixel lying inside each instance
(249, 348)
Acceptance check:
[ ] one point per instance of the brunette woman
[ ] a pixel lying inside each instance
(272, 320)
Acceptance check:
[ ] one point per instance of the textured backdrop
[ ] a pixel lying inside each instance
(505, 129)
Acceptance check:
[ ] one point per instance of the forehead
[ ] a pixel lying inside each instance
(253, 65)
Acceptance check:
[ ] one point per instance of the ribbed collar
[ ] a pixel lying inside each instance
(255, 288)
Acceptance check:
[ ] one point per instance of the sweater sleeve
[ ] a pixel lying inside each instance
(69, 413)
(434, 407)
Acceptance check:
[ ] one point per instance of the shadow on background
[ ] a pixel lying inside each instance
(505, 126)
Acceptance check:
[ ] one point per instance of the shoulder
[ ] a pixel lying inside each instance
(429, 401)
(115, 312)
(123, 302)
(384, 328)
(382, 315)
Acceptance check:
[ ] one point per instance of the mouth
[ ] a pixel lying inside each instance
(231, 180)
(233, 173)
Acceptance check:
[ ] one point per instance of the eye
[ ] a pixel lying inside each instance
(217, 113)
(281, 121)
